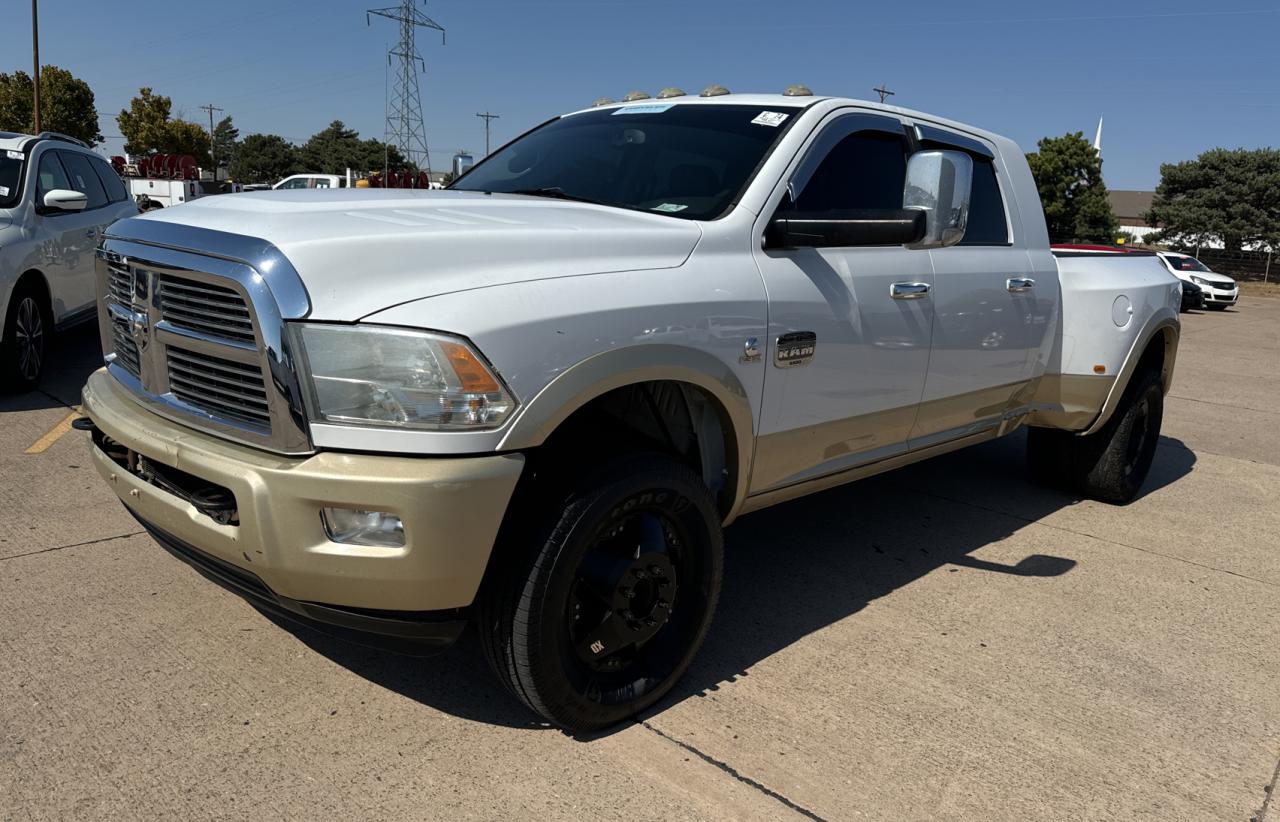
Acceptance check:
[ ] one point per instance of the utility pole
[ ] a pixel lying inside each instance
(487, 117)
(883, 92)
(404, 115)
(35, 60)
(213, 158)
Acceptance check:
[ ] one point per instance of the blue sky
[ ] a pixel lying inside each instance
(1171, 78)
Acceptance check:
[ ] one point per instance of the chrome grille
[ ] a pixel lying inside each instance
(218, 386)
(120, 285)
(126, 350)
(199, 338)
(205, 308)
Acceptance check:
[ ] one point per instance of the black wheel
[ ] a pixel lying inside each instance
(1112, 464)
(604, 609)
(25, 345)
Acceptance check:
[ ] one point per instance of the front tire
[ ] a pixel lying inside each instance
(603, 609)
(24, 348)
(1111, 464)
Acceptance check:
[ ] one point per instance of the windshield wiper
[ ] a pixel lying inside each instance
(556, 193)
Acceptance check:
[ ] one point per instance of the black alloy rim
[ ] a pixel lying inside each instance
(29, 331)
(629, 620)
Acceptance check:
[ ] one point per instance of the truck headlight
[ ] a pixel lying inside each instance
(399, 378)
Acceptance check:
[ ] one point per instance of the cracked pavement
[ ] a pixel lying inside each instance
(946, 641)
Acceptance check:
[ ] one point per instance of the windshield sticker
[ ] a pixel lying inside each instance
(14, 155)
(772, 119)
(647, 108)
(669, 207)
(4, 191)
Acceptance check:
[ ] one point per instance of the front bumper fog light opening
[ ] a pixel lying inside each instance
(354, 526)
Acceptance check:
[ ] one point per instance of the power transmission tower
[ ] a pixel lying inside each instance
(404, 113)
(487, 118)
(213, 158)
(883, 92)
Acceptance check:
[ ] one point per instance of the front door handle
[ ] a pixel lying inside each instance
(1017, 284)
(909, 291)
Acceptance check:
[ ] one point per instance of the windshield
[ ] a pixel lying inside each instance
(11, 163)
(1186, 264)
(683, 160)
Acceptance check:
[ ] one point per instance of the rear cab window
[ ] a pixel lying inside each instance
(988, 220)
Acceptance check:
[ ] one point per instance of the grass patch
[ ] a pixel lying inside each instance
(1260, 289)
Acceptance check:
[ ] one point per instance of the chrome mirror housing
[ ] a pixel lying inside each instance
(939, 183)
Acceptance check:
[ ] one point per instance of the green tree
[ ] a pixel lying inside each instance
(147, 128)
(264, 158)
(145, 124)
(66, 104)
(225, 139)
(338, 148)
(1228, 195)
(1068, 174)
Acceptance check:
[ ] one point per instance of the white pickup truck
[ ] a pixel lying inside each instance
(532, 402)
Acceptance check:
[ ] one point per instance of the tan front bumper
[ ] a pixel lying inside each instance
(451, 509)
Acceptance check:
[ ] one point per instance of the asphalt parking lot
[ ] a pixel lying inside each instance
(944, 642)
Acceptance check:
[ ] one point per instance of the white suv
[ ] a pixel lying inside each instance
(1220, 291)
(56, 198)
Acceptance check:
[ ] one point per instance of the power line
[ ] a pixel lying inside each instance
(404, 115)
(211, 108)
(487, 118)
(883, 92)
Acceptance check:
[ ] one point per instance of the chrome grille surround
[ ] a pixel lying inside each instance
(230, 373)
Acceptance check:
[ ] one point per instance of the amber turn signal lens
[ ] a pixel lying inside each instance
(475, 378)
(1099, 369)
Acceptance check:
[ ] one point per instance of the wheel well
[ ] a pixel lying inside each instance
(1158, 356)
(663, 416)
(32, 277)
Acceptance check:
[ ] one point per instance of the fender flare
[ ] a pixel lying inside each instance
(1163, 322)
(600, 373)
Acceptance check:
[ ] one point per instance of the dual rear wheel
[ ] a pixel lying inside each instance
(1111, 464)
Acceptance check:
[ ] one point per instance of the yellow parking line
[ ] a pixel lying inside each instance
(55, 433)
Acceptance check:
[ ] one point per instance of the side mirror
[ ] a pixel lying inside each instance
(835, 229)
(939, 184)
(63, 199)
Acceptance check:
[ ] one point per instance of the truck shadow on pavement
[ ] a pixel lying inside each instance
(796, 568)
(73, 356)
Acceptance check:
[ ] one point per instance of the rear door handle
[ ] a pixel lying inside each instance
(909, 291)
(1016, 284)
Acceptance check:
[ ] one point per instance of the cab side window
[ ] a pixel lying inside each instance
(864, 170)
(84, 179)
(50, 175)
(987, 224)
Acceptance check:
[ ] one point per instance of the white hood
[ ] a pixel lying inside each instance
(362, 250)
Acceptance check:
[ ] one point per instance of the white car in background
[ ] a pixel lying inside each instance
(57, 197)
(1220, 291)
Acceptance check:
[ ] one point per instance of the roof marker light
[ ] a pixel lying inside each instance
(632, 96)
(798, 91)
(670, 91)
(603, 101)
(714, 91)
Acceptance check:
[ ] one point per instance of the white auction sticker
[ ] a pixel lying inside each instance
(669, 207)
(773, 119)
(15, 155)
(4, 191)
